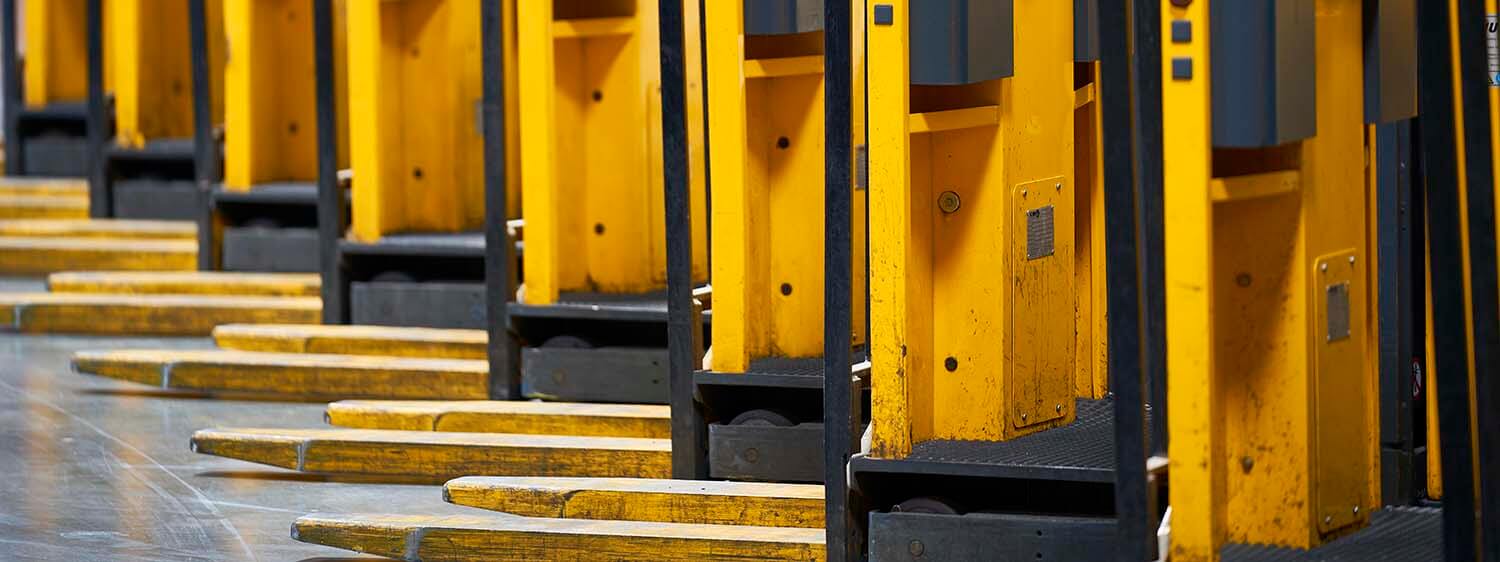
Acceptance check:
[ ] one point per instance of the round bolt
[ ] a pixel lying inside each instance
(1023, 193)
(786, 289)
(1323, 267)
(1351, 260)
(1059, 408)
(783, 142)
(1327, 519)
(1023, 417)
(951, 364)
(752, 454)
(916, 548)
(1057, 186)
(1356, 510)
(1243, 280)
(949, 202)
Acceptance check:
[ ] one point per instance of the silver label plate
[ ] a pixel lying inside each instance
(1338, 312)
(1039, 233)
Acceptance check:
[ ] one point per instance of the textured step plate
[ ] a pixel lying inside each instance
(439, 456)
(639, 499)
(186, 283)
(355, 340)
(292, 375)
(163, 315)
(99, 228)
(498, 537)
(53, 187)
(19, 255)
(495, 416)
(43, 207)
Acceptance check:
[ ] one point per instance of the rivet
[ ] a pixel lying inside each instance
(1356, 510)
(1023, 417)
(1327, 519)
(1058, 186)
(1323, 267)
(1023, 193)
(1351, 260)
(916, 548)
(1059, 408)
(949, 202)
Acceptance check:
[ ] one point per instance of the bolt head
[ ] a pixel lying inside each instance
(1356, 510)
(916, 548)
(1059, 408)
(1323, 267)
(949, 202)
(1351, 260)
(1023, 417)
(1327, 519)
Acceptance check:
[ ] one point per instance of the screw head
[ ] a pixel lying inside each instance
(1323, 267)
(1023, 417)
(1059, 408)
(916, 548)
(1356, 510)
(1327, 519)
(949, 202)
(1024, 192)
(1351, 260)
(1057, 186)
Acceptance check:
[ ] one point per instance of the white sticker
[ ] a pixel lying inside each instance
(1492, 43)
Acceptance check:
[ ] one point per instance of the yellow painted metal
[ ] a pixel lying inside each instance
(43, 255)
(505, 416)
(186, 283)
(437, 455)
(766, 96)
(147, 46)
(590, 113)
(1091, 347)
(52, 187)
(292, 375)
(415, 89)
(43, 207)
(98, 228)
(1268, 382)
(270, 110)
(639, 499)
(354, 340)
(501, 537)
(165, 315)
(954, 173)
(56, 53)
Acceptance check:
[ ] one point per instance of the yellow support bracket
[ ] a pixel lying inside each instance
(148, 49)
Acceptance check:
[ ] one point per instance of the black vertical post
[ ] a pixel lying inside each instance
(1123, 266)
(1485, 303)
(205, 148)
(100, 202)
(1393, 247)
(1146, 68)
(9, 49)
(331, 211)
(687, 420)
(1440, 166)
(841, 415)
(499, 252)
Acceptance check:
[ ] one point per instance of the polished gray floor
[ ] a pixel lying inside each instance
(93, 469)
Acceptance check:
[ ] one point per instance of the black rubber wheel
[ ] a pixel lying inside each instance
(762, 418)
(927, 504)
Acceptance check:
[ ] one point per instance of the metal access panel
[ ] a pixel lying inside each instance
(1041, 303)
(1263, 72)
(156, 199)
(1390, 60)
(61, 156)
(426, 305)
(989, 536)
(635, 375)
(1085, 30)
(766, 453)
(289, 250)
(1342, 468)
(783, 17)
(961, 41)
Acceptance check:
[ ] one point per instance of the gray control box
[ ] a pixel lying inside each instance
(1264, 72)
(1390, 60)
(957, 42)
(783, 17)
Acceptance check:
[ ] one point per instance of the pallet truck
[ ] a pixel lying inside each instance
(587, 319)
(756, 399)
(46, 126)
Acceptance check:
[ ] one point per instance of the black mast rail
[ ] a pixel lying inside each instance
(499, 253)
(841, 415)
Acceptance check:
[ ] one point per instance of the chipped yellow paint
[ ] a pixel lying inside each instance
(483, 416)
(146, 42)
(438, 455)
(497, 537)
(590, 117)
(1270, 410)
(56, 55)
(949, 298)
(48, 255)
(355, 340)
(292, 374)
(270, 109)
(51, 187)
(767, 95)
(161, 315)
(122, 229)
(43, 207)
(639, 499)
(186, 283)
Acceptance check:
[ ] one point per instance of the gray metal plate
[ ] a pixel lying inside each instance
(291, 250)
(781, 17)
(1039, 232)
(989, 536)
(961, 42)
(429, 305)
(156, 199)
(605, 374)
(1338, 311)
(56, 156)
(766, 453)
